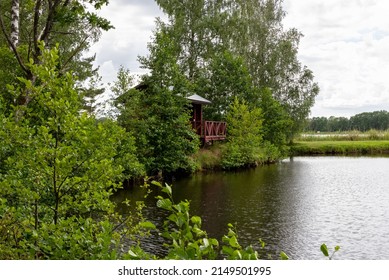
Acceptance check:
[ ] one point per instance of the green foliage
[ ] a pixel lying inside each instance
(187, 241)
(58, 171)
(340, 147)
(166, 139)
(75, 25)
(209, 157)
(229, 49)
(158, 114)
(377, 120)
(126, 99)
(284, 256)
(227, 79)
(233, 250)
(8, 72)
(244, 136)
(276, 122)
(324, 250)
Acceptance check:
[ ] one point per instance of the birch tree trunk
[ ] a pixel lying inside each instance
(15, 22)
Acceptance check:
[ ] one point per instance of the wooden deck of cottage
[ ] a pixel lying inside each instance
(207, 130)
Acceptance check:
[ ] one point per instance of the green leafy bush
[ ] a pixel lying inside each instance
(59, 168)
(244, 146)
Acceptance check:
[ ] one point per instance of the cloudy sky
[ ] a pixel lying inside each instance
(345, 44)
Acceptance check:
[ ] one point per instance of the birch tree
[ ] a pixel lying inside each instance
(15, 23)
(72, 24)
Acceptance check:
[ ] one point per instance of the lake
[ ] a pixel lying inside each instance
(293, 206)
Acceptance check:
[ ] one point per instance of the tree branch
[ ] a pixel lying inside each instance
(13, 47)
(35, 28)
(49, 20)
(75, 52)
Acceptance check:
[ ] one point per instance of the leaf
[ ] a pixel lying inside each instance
(133, 255)
(164, 204)
(196, 220)
(167, 189)
(337, 248)
(156, 183)
(237, 255)
(173, 218)
(284, 256)
(214, 242)
(228, 250)
(234, 242)
(324, 249)
(147, 225)
(263, 244)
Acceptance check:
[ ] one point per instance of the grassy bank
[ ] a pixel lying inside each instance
(218, 157)
(209, 158)
(344, 147)
(353, 135)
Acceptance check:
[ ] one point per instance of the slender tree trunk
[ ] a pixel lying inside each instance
(15, 10)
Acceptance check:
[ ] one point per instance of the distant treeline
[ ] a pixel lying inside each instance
(378, 120)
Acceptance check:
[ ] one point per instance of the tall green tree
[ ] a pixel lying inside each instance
(58, 171)
(190, 31)
(277, 126)
(270, 54)
(126, 99)
(165, 138)
(25, 24)
(228, 78)
(245, 132)
(249, 30)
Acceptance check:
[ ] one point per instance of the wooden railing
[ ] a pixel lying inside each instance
(210, 130)
(214, 130)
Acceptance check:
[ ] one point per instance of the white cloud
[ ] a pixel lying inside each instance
(134, 22)
(345, 44)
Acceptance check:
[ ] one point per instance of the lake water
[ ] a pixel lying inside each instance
(294, 206)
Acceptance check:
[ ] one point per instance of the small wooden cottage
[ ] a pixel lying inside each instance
(207, 130)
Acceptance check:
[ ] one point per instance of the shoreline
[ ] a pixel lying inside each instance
(368, 147)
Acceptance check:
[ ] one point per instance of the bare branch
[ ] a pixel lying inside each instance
(49, 20)
(75, 52)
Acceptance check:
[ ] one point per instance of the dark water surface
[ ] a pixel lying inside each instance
(293, 206)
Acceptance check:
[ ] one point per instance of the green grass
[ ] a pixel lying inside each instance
(209, 157)
(344, 147)
(353, 135)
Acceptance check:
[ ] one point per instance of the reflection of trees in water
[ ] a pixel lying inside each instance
(293, 206)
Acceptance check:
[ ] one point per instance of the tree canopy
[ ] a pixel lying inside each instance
(228, 48)
(378, 120)
(25, 25)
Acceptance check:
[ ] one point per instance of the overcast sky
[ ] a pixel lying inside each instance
(345, 44)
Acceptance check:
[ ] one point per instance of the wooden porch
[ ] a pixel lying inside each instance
(210, 130)
(207, 130)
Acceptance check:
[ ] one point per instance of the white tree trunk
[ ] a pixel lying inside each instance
(15, 22)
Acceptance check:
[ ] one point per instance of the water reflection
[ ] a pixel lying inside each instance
(295, 205)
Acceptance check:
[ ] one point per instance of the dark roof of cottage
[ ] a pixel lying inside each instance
(197, 99)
